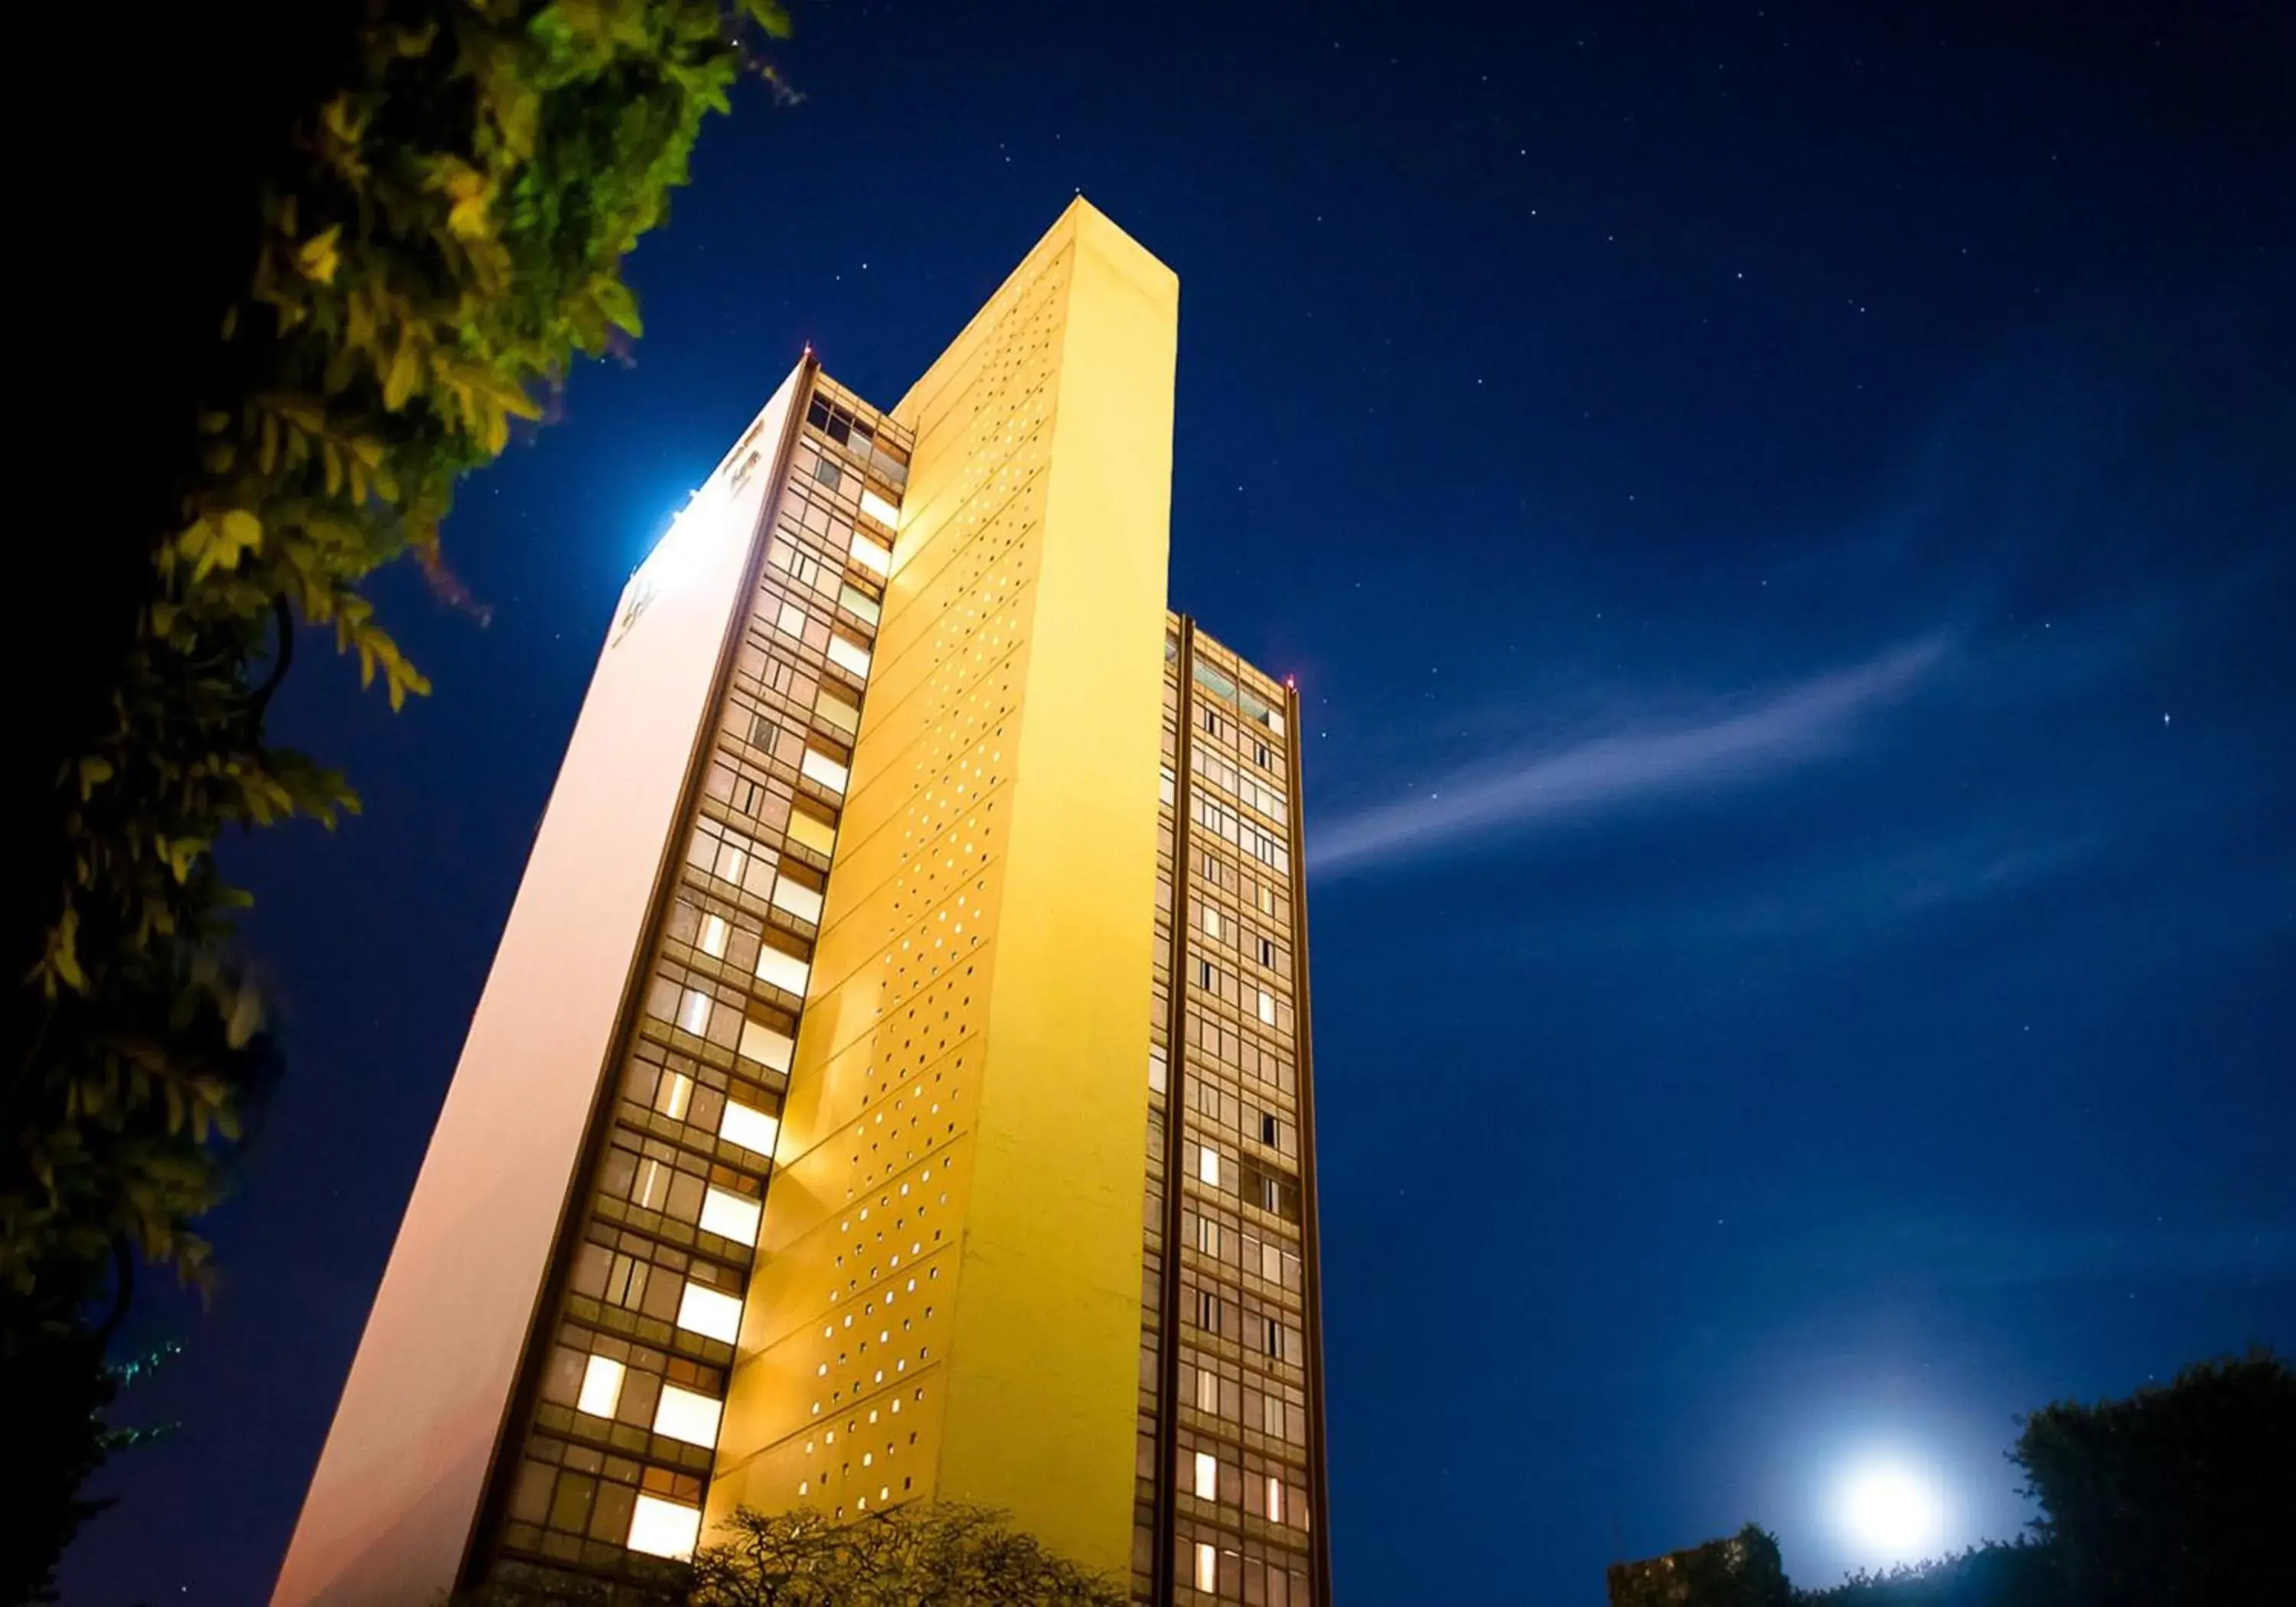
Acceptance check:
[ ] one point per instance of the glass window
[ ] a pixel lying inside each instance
(834, 712)
(714, 934)
(766, 1045)
(849, 655)
(730, 1214)
(871, 556)
(693, 1012)
(1207, 1476)
(797, 899)
(877, 508)
(810, 830)
(682, 1415)
(820, 768)
(663, 1528)
(1207, 1166)
(751, 1129)
(602, 1387)
(1207, 1566)
(783, 969)
(711, 1312)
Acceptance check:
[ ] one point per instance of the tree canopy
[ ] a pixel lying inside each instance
(931, 1554)
(399, 256)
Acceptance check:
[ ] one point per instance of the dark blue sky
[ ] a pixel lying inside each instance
(1785, 522)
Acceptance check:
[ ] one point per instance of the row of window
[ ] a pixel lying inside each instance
(1212, 816)
(1239, 783)
(1231, 1391)
(1240, 1246)
(1227, 1313)
(1228, 1574)
(1256, 709)
(1238, 1482)
(1223, 927)
(1218, 1041)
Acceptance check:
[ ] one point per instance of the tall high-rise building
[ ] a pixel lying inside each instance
(893, 1082)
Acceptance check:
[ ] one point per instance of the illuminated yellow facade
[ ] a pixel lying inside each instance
(857, 1218)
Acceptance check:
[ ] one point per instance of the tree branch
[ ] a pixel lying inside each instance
(261, 698)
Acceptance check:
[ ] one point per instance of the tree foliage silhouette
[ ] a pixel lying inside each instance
(416, 219)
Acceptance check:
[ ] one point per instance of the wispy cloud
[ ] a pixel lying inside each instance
(1639, 758)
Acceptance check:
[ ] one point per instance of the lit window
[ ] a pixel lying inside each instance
(714, 934)
(835, 711)
(602, 1387)
(684, 1415)
(811, 832)
(1207, 1565)
(693, 1011)
(653, 1186)
(730, 1214)
(672, 1093)
(1274, 1500)
(871, 556)
(783, 969)
(709, 1312)
(849, 655)
(877, 508)
(1211, 921)
(751, 1129)
(1206, 1391)
(1268, 1006)
(792, 619)
(798, 899)
(770, 1048)
(663, 1528)
(1207, 1476)
(1207, 1166)
(819, 767)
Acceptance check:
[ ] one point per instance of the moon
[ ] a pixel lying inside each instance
(1892, 1509)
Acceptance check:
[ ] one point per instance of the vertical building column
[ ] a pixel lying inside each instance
(1166, 1560)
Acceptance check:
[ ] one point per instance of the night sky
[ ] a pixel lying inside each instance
(1785, 524)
